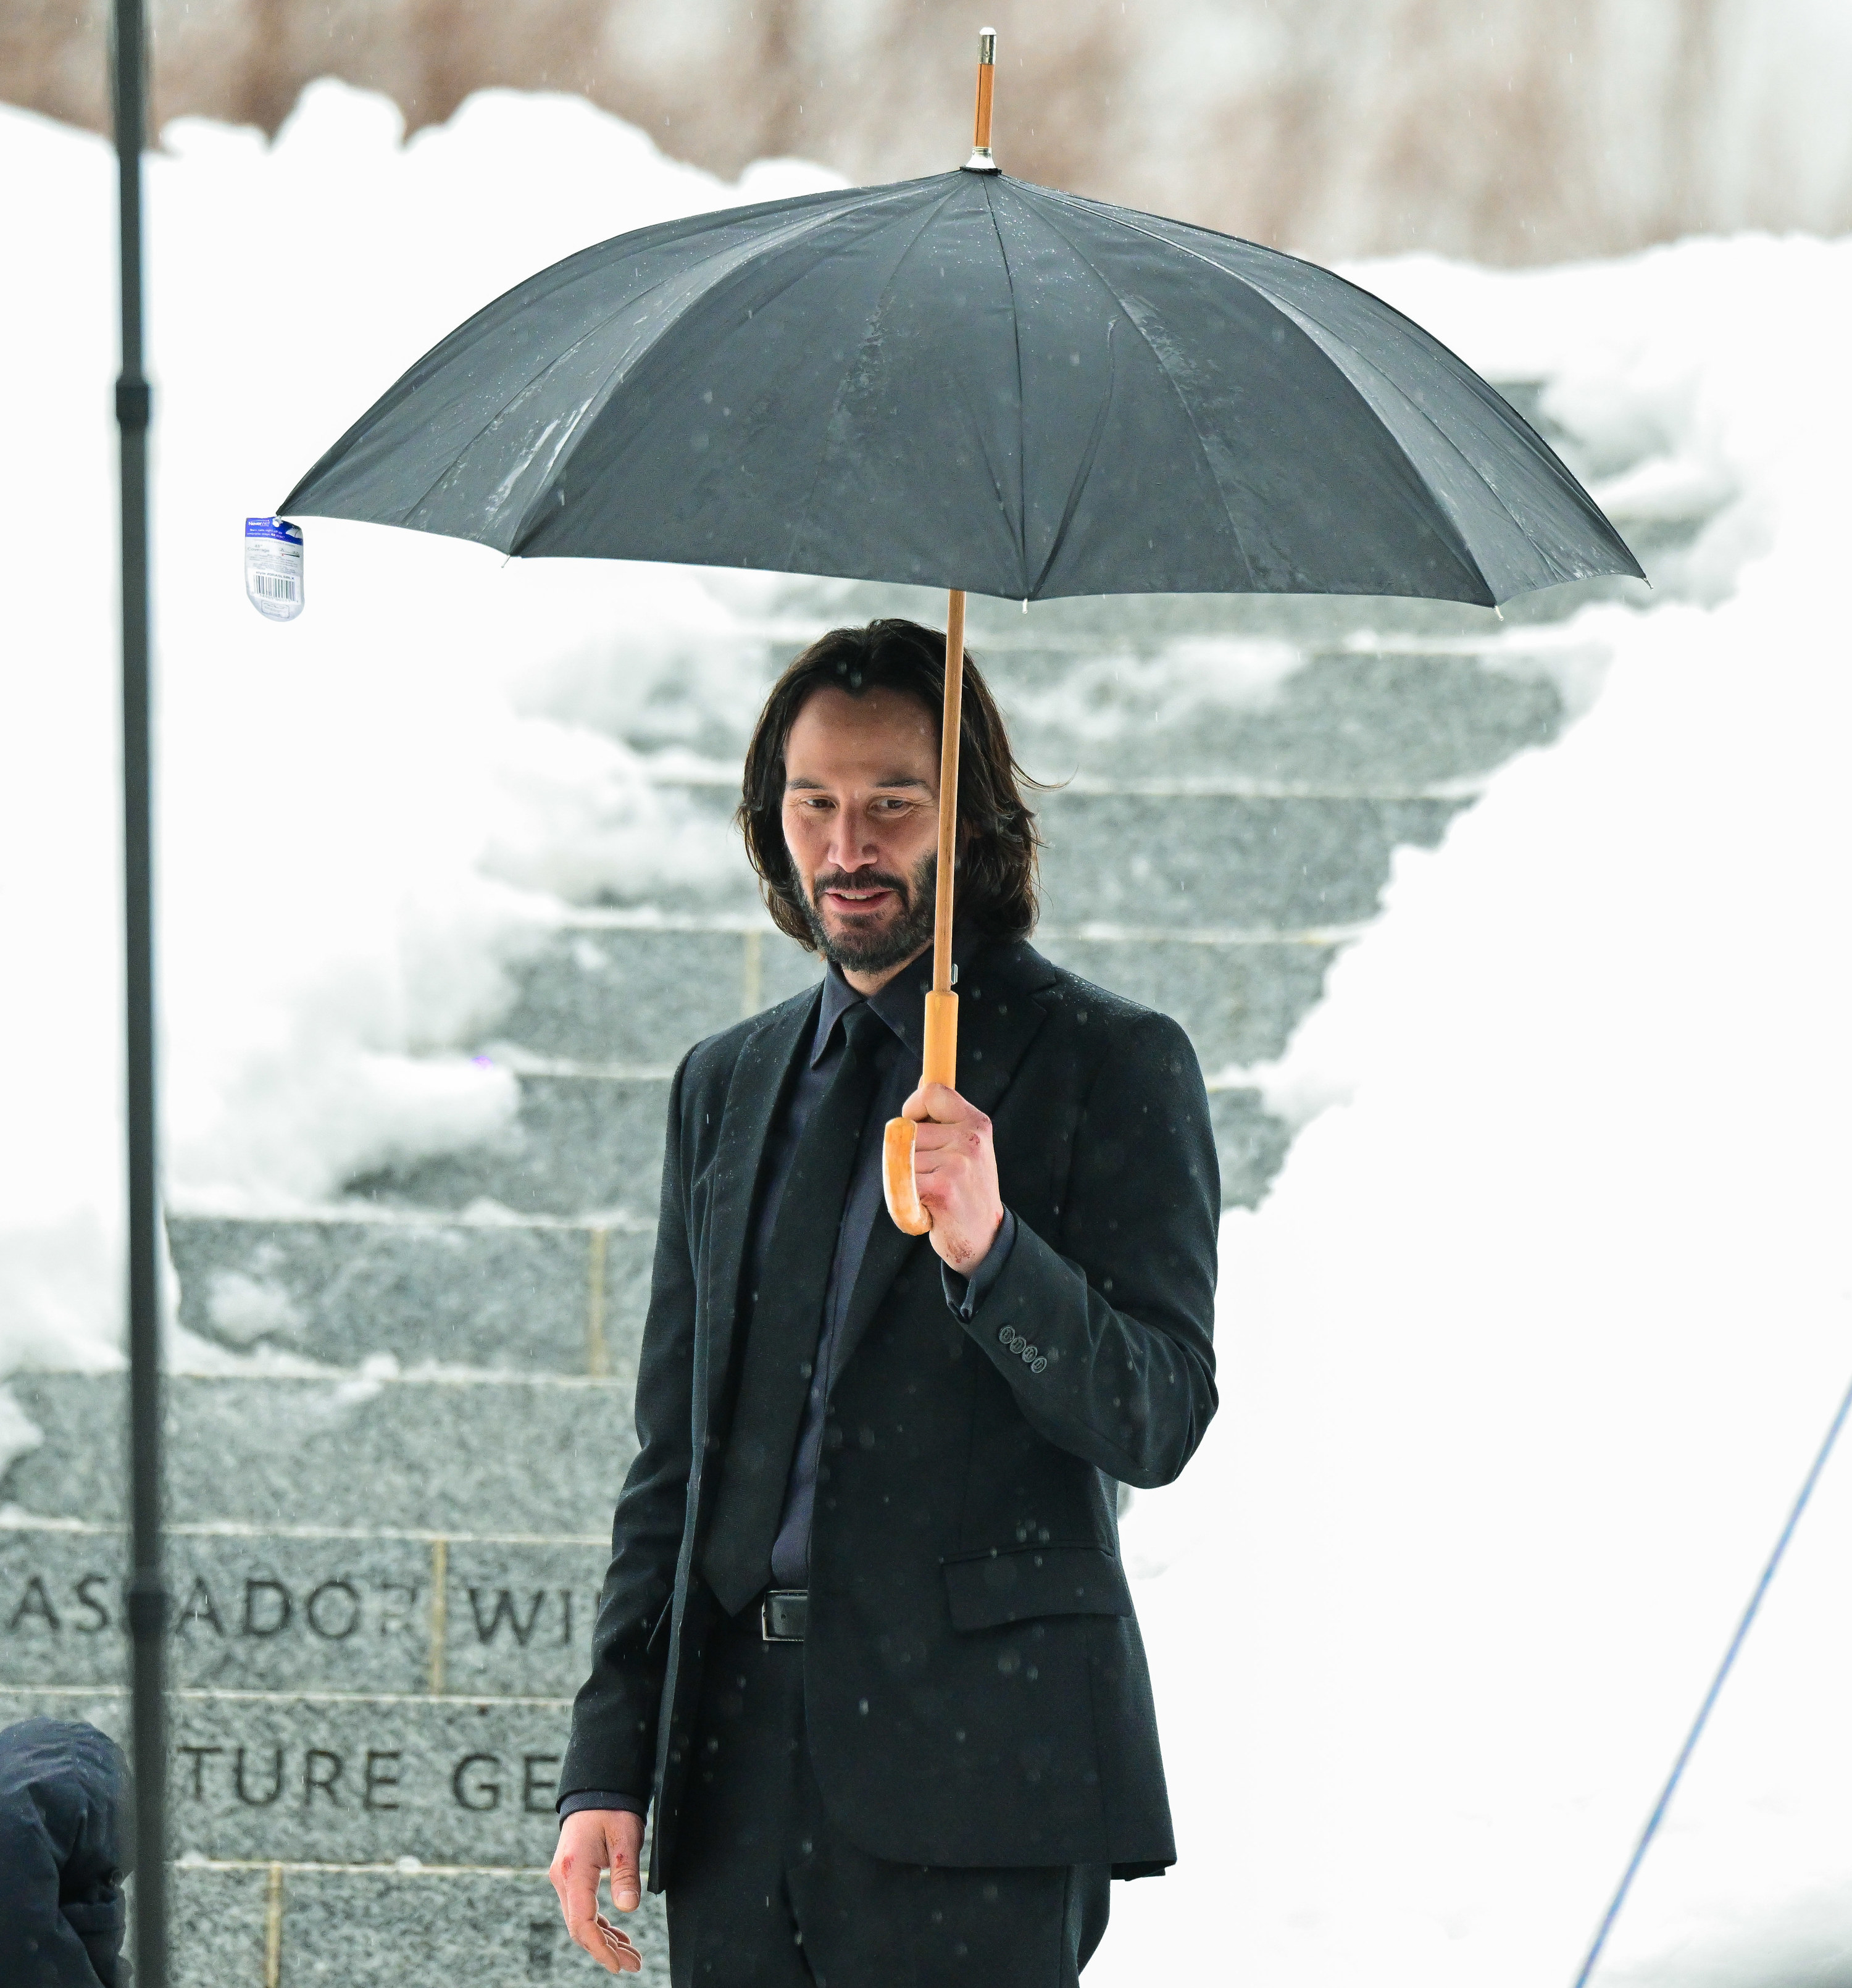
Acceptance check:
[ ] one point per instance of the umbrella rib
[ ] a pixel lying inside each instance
(534, 380)
(1541, 452)
(1076, 489)
(803, 512)
(1296, 312)
(643, 357)
(814, 218)
(1276, 303)
(1015, 333)
(1164, 373)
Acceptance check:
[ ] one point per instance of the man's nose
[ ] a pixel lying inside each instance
(852, 842)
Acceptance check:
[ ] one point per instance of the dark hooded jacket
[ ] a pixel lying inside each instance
(65, 1836)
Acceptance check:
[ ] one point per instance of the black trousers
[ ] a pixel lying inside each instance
(768, 1891)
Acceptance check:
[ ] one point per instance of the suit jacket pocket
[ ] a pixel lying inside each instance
(987, 1590)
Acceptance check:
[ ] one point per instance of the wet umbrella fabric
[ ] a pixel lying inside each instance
(970, 382)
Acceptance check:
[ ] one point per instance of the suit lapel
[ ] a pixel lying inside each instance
(745, 1124)
(997, 1018)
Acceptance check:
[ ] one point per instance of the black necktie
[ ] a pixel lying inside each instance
(786, 1324)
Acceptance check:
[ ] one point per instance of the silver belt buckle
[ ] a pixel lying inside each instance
(784, 1615)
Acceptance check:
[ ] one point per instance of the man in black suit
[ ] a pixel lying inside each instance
(865, 1640)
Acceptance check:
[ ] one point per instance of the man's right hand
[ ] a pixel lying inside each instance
(592, 1840)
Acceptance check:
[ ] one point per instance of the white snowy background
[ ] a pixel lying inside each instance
(1526, 1353)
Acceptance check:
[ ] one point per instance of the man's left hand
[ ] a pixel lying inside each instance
(954, 1167)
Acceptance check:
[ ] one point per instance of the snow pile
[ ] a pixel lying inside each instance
(366, 815)
(1528, 1350)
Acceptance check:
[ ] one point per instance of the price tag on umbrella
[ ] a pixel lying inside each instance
(273, 567)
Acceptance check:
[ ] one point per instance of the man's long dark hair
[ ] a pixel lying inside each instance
(998, 840)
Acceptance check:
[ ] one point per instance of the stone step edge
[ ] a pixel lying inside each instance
(615, 1221)
(567, 1069)
(644, 919)
(342, 1376)
(1465, 786)
(561, 1069)
(488, 1217)
(399, 1866)
(13, 1520)
(200, 1694)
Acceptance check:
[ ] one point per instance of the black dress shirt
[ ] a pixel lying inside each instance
(901, 1005)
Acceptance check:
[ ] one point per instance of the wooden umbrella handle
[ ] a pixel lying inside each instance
(940, 1064)
(897, 1181)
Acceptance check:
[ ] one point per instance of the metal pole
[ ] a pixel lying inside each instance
(146, 1601)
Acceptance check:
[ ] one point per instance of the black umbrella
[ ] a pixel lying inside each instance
(971, 382)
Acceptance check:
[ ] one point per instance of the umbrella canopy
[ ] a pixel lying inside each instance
(971, 382)
(974, 383)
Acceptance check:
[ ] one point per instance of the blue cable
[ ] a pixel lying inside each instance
(1710, 1697)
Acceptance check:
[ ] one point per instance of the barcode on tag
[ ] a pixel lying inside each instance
(273, 568)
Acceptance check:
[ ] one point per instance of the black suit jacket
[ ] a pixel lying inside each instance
(975, 1689)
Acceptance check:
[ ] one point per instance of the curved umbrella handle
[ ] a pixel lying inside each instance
(940, 1065)
(897, 1182)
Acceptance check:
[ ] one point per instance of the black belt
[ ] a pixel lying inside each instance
(784, 1615)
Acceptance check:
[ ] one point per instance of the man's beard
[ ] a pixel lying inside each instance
(876, 949)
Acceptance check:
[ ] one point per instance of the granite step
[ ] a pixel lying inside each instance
(1276, 879)
(311, 1609)
(336, 1778)
(1237, 994)
(539, 1295)
(1250, 1143)
(609, 990)
(509, 1296)
(286, 1924)
(619, 988)
(535, 1455)
(1229, 854)
(1365, 719)
(585, 1137)
(1274, 861)
(1489, 674)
